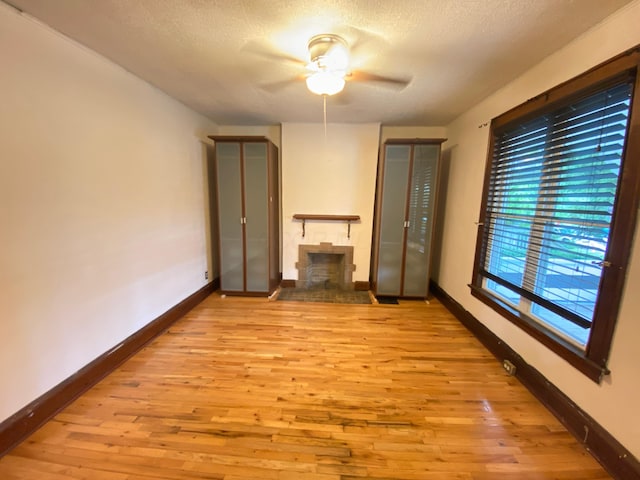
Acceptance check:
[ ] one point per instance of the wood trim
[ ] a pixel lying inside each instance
(274, 222)
(407, 209)
(616, 459)
(214, 224)
(415, 141)
(377, 218)
(239, 138)
(27, 420)
(243, 209)
(218, 218)
(553, 342)
(337, 218)
(288, 283)
(623, 228)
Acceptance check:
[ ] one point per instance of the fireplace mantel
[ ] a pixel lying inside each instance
(331, 218)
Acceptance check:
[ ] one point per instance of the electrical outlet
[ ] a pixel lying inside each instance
(206, 275)
(509, 367)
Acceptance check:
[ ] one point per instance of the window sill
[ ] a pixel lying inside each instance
(576, 357)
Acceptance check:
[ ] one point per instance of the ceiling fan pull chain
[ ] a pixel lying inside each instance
(324, 111)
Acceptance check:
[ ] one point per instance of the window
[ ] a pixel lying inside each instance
(559, 211)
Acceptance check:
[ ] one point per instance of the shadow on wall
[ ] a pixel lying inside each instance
(441, 207)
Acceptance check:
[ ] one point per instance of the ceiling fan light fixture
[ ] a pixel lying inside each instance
(325, 83)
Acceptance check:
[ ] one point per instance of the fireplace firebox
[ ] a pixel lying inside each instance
(325, 266)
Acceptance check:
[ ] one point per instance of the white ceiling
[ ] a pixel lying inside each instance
(203, 52)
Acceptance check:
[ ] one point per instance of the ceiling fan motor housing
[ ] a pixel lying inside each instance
(329, 52)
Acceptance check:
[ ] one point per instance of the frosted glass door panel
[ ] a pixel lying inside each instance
(395, 180)
(421, 203)
(256, 190)
(230, 214)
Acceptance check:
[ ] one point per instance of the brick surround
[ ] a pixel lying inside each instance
(325, 264)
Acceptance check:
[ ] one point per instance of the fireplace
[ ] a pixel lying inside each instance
(325, 266)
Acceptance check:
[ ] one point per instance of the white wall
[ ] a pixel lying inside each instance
(614, 403)
(103, 207)
(335, 175)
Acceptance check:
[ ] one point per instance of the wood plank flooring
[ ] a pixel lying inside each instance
(244, 388)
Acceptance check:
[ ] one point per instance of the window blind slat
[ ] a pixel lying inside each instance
(595, 143)
(563, 127)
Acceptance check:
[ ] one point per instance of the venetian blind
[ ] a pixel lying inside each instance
(551, 195)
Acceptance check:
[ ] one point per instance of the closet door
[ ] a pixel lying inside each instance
(420, 220)
(230, 216)
(392, 220)
(256, 189)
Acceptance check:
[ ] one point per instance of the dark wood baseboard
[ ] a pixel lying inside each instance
(23, 423)
(616, 459)
(286, 283)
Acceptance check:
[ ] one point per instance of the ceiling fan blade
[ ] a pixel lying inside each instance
(275, 87)
(393, 82)
(270, 54)
(341, 99)
(365, 41)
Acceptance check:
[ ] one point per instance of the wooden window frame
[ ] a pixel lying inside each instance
(593, 360)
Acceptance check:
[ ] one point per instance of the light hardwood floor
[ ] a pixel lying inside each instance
(244, 388)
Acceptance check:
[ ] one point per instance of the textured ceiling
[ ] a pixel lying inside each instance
(209, 54)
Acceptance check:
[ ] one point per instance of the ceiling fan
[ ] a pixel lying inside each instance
(328, 67)
(329, 61)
